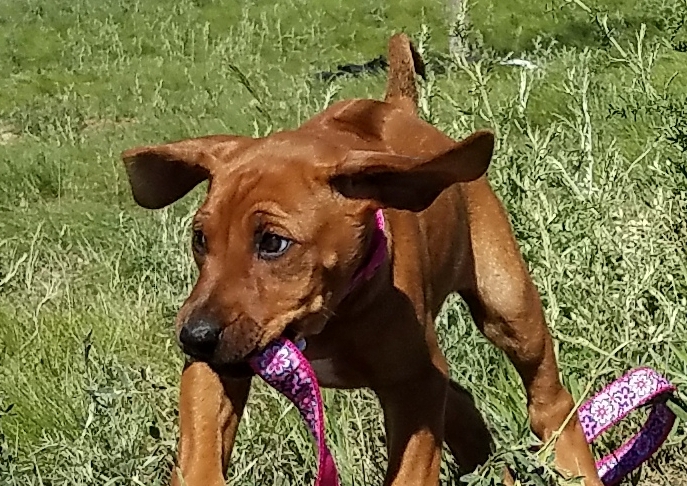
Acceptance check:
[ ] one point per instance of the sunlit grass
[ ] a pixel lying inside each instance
(591, 162)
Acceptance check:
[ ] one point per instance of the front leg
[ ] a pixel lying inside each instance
(414, 421)
(210, 408)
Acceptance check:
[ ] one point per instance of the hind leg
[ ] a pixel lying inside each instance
(466, 433)
(507, 308)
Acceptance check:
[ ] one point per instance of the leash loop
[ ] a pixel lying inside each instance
(637, 388)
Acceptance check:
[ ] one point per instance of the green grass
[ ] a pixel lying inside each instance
(591, 162)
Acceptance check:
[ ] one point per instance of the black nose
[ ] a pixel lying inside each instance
(199, 337)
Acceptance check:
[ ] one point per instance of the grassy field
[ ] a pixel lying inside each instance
(591, 161)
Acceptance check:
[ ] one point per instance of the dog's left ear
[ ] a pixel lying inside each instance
(412, 183)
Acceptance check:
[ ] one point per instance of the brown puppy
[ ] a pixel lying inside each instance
(289, 221)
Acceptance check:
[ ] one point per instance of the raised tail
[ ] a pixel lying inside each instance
(404, 64)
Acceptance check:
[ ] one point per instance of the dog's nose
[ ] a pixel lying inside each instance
(199, 337)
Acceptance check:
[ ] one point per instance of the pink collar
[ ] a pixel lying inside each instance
(376, 256)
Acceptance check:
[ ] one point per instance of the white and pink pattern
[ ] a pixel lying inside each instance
(284, 368)
(641, 386)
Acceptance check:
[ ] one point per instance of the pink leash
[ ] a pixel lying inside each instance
(283, 366)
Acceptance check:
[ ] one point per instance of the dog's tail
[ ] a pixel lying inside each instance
(404, 64)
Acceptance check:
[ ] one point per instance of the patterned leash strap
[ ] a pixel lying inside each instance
(639, 387)
(283, 366)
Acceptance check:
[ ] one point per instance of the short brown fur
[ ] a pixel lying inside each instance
(317, 188)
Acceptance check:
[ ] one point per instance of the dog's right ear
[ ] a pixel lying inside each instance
(161, 174)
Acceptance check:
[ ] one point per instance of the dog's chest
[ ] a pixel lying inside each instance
(328, 373)
(333, 370)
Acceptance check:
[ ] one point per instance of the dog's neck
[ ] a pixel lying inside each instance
(375, 256)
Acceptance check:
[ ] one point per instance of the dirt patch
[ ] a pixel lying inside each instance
(102, 123)
(7, 135)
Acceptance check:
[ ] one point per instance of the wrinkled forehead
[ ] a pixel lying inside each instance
(283, 172)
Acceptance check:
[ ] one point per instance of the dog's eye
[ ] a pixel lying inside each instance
(271, 245)
(199, 242)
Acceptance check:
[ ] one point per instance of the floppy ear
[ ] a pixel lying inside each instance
(161, 174)
(412, 183)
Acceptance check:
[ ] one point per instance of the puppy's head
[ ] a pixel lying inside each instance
(288, 218)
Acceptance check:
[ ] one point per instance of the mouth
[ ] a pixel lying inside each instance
(242, 369)
(291, 334)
